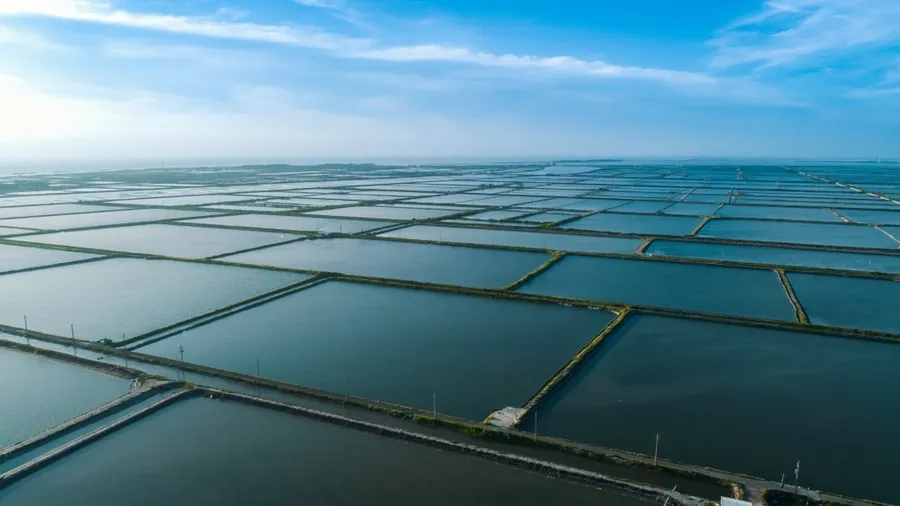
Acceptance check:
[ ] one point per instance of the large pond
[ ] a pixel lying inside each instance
(560, 242)
(777, 256)
(124, 296)
(13, 258)
(709, 289)
(636, 224)
(743, 399)
(456, 265)
(398, 345)
(826, 234)
(204, 451)
(115, 217)
(38, 393)
(849, 302)
(294, 223)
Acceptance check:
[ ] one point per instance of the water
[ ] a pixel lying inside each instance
(47, 210)
(109, 298)
(37, 394)
(497, 215)
(825, 234)
(648, 207)
(294, 223)
(591, 204)
(849, 302)
(777, 256)
(709, 289)
(167, 240)
(66, 221)
(505, 200)
(11, 231)
(13, 258)
(741, 398)
(231, 454)
(397, 345)
(559, 242)
(386, 213)
(300, 203)
(688, 208)
(636, 224)
(873, 217)
(462, 266)
(547, 217)
(187, 200)
(781, 213)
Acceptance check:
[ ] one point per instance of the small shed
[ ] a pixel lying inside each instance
(727, 501)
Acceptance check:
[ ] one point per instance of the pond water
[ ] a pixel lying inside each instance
(387, 213)
(231, 454)
(13, 258)
(710, 289)
(688, 208)
(167, 240)
(294, 223)
(559, 242)
(799, 233)
(777, 256)
(48, 210)
(849, 302)
(770, 397)
(636, 224)
(109, 298)
(397, 345)
(66, 221)
(873, 217)
(38, 393)
(427, 263)
(187, 200)
(497, 215)
(781, 213)
(648, 207)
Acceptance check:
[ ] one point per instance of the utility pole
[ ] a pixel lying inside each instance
(181, 352)
(656, 450)
(535, 424)
(74, 348)
(27, 339)
(797, 478)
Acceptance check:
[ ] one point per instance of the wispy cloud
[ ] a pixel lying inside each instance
(94, 11)
(27, 39)
(795, 32)
(339, 9)
(875, 92)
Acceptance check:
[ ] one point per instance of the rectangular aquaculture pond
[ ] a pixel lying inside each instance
(704, 288)
(549, 241)
(294, 223)
(203, 451)
(387, 213)
(849, 302)
(167, 240)
(777, 256)
(427, 263)
(636, 224)
(771, 397)
(37, 393)
(397, 345)
(14, 258)
(125, 296)
(780, 213)
(824, 234)
(116, 217)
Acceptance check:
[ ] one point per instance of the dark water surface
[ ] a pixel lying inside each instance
(740, 398)
(398, 345)
(206, 452)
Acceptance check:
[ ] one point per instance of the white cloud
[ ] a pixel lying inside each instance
(337, 8)
(875, 92)
(27, 39)
(790, 32)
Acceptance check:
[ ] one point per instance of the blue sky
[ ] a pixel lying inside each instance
(435, 79)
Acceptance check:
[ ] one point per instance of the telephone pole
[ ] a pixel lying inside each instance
(27, 339)
(656, 450)
(74, 348)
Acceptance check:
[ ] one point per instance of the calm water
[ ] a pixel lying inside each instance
(873, 217)
(799, 233)
(37, 394)
(547, 217)
(18, 212)
(507, 200)
(386, 213)
(778, 256)
(188, 200)
(693, 209)
(726, 290)
(295, 223)
(636, 224)
(108, 298)
(849, 302)
(782, 213)
(206, 452)
(19, 257)
(497, 215)
(742, 399)
(560, 242)
(65, 221)
(168, 240)
(11, 231)
(643, 207)
(398, 345)
(483, 268)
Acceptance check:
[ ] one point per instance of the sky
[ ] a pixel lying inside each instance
(156, 81)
